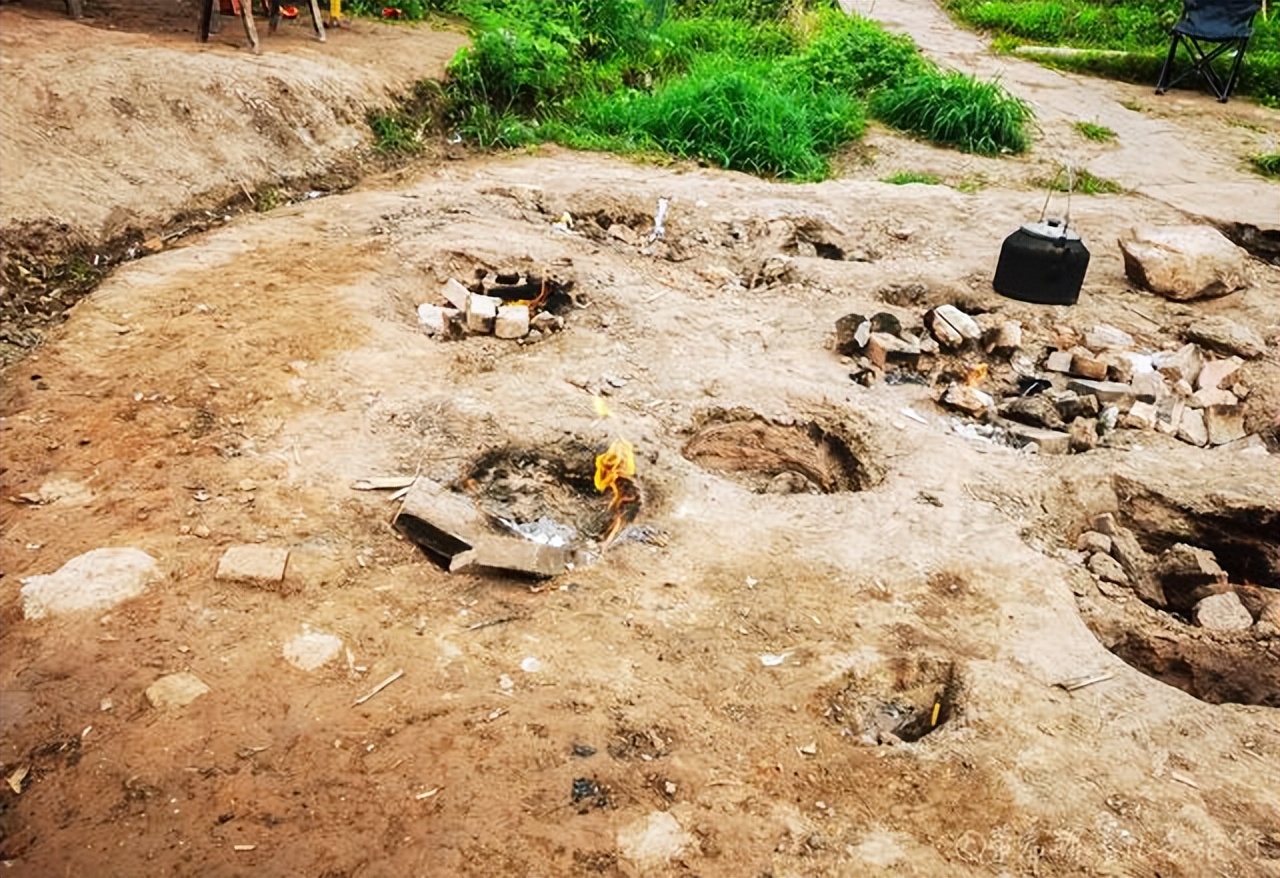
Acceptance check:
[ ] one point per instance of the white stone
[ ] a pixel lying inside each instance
(1182, 364)
(434, 319)
(312, 649)
(951, 326)
(96, 580)
(1224, 424)
(1142, 415)
(1222, 612)
(1105, 337)
(482, 311)
(455, 294)
(512, 321)
(1183, 262)
(1215, 372)
(1092, 541)
(653, 840)
(546, 322)
(1205, 398)
(176, 690)
(1059, 361)
(1149, 386)
(969, 400)
(261, 565)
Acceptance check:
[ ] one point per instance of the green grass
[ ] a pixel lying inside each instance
(902, 178)
(1137, 27)
(955, 109)
(1084, 183)
(1095, 132)
(1266, 164)
(771, 87)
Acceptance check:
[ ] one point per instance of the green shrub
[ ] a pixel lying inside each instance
(1266, 164)
(955, 109)
(1082, 180)
(856, 55)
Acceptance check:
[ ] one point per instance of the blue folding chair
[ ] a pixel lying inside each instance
(1210, 29)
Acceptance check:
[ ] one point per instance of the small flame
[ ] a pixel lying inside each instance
(615, 472)
(976, 375)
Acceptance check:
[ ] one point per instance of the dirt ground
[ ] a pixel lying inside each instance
(695, 700)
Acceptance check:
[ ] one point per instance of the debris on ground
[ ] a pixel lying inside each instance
(176, 690)
(253, 564)
(507, 304)
(312, 649)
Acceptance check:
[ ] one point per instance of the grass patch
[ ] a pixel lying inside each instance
(1095, 132)
(1266, 164)
(955, 109)
(1137, 27)
(408, 128)
(771, 87)
(902, 178)
(1085, 182)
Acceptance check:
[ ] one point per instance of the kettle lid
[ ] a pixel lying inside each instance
(1053, 230)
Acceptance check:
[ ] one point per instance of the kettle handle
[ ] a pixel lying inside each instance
(1071, 184)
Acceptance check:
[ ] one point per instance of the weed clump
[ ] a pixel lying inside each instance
(1095, 132)
(1266, 164)
(955, 109)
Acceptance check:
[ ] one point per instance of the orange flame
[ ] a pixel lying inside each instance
(615, 472)
(976, 375)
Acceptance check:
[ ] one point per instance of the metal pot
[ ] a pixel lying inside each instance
(1042, 262)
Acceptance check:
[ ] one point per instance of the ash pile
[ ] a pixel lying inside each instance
(1069, 392)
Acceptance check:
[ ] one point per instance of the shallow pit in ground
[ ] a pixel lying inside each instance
(553, 483)
(901, 700)
(817, 456)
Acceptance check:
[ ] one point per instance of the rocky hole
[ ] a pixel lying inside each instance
(903, 701)
(773, 457)
(1211, 574)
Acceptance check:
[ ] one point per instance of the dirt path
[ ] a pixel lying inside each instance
(1182, 149)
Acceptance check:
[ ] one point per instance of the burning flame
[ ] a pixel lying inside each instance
(976, 375)
(615, 472)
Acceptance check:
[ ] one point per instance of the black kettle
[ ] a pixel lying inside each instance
(1044, 262)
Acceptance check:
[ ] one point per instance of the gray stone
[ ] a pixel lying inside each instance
(1226, 337)
(1106, 524)
(175, 690)
(1149, 386)
(1224, 423)
(259, 565)
(1214, 372)
(1105, 337)
(1169, 415)
(546, 322)
(1119, 367)
(312, 649)
(1004, 339)
(1183, 262)
(1047, 441)
(1187, 574)
(512, 321)
(1037, 411)
(1092, 541)
(1059, 361)
(1107, 392)
(1192, 429)
(852, 333)
(1204, 398)
(482, 311)
(1107, 568)
(1184, 363)
(1137, 564)
(1071, 406)
(1222, 612)
(436, 319)
(97, 580)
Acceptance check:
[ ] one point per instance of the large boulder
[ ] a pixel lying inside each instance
(1183, 262)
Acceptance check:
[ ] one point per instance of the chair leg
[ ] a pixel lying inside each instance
(1163, 85)
(74, 9)
(273, 9)
(1235, 70)
(250, 30)
(316, 20)
(206, 19)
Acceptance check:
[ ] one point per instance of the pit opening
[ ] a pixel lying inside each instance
(903, 701)
(1172, 555)
(528, 484)
(773, 457)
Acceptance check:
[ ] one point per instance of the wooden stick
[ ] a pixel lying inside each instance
(316, 21)
(376, 689)
(250, 30)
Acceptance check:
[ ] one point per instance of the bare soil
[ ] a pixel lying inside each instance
(745, 687)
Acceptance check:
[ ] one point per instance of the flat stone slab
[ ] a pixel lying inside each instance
(312, 649)
(96, 580)
(259, 565)
(176, 690)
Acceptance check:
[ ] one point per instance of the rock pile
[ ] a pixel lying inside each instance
(507, 305)
(1074, 391)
